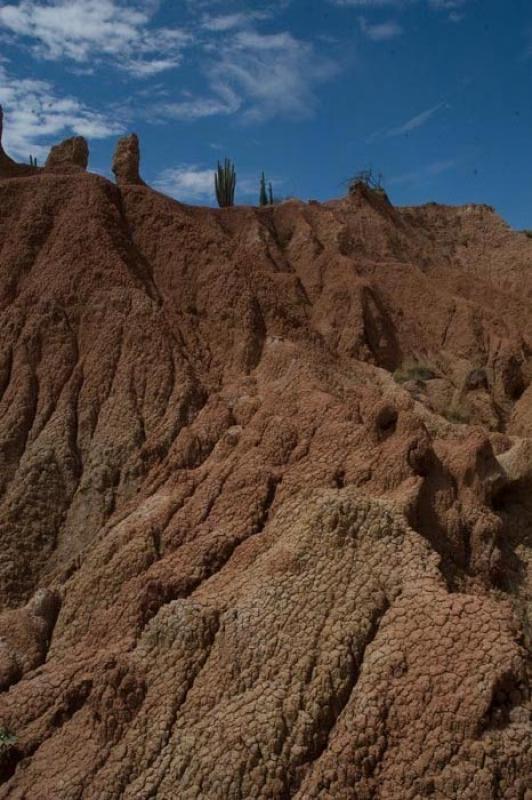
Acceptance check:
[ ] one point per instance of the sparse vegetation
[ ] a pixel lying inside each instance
(7, 740)
(265, 193)
(367, 178)
(263, 197)
(225, 184)
(528, 233)
(414, 372)
(457, 415)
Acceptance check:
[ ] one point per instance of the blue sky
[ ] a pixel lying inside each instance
(435, 94)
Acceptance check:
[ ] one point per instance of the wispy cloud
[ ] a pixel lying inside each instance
(412, 124)
(36, 112)
(380, 31)
(362, 3)
(447, 5)
(416, 122)
(274, 74)
(438, 5)
(454, 9)
(369, 4)
(223, 103)
(220, 23)
(423, 174)
(92, 30)
(259, 76)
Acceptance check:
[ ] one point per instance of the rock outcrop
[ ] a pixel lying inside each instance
(69, 155)
(126, 161)
(8, 167)
(262, 535)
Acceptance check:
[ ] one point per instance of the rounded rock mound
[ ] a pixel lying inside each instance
(70, 154)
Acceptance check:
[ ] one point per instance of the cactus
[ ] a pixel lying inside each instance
(33, 161)
(225, 184)
(263, 196)
(266, 192)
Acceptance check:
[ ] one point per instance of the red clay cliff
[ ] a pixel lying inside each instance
(265, 487)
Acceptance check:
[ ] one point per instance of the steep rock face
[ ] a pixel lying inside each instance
(277, 570)
(126, 161)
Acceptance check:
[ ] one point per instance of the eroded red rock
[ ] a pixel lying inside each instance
(276, 572)
(70, 154)
(126, 161)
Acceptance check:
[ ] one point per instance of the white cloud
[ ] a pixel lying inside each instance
(380, 32)
(259, 76)
(83, 30)
(35, 115)
(188, 182)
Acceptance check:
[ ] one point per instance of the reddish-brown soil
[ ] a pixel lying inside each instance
(266, 498)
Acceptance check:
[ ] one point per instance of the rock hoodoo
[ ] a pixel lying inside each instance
(126, 161)
(69, 155)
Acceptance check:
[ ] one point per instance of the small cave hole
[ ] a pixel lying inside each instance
(505, 498)
(386, 422)
(339, 478)
(518, 390)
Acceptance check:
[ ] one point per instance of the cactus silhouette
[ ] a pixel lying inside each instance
(263, 196)
(225, 184)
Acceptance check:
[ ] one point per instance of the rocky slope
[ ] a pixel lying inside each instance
(265, 488)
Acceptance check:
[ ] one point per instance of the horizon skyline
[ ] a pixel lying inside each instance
(278, 87)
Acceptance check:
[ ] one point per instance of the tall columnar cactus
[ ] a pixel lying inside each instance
(270, 194)
(225, 184)
(263, 196)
